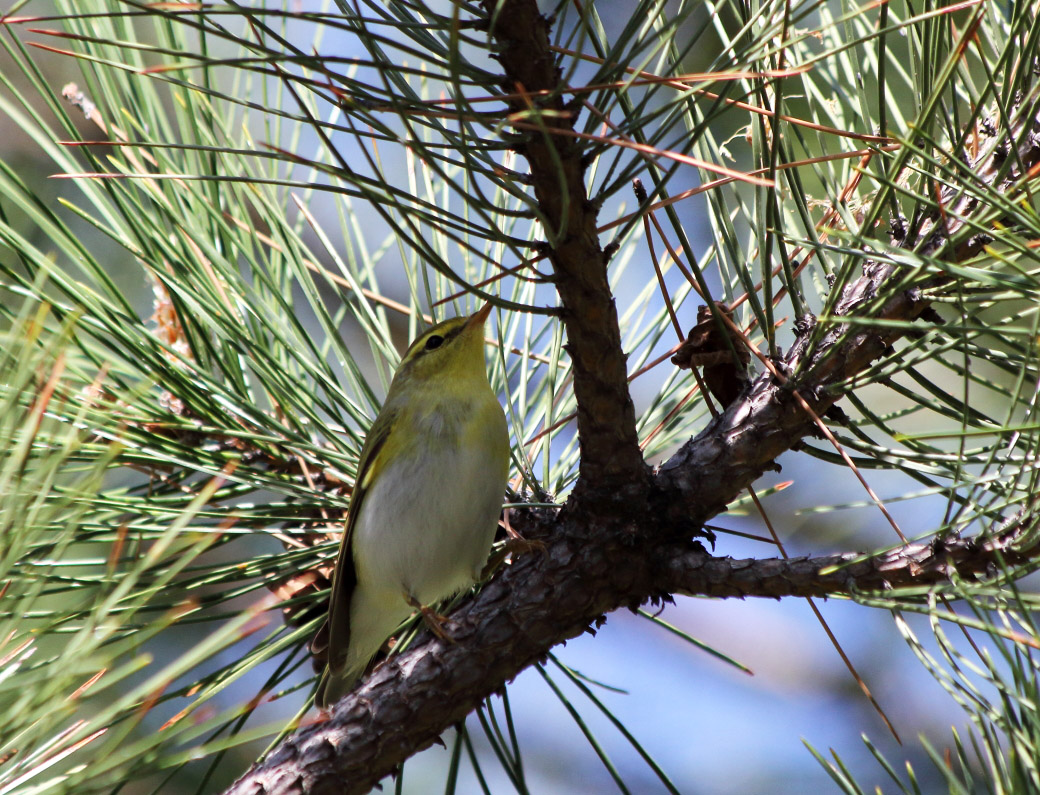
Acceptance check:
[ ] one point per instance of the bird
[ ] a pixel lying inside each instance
(426, 500)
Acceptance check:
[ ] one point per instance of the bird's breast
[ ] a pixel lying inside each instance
(428, 521)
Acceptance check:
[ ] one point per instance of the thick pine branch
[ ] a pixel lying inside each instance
(411, 699)
(592, 564)
(767, 421)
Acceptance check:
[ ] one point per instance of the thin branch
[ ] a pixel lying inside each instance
(610, 454)
(694, 573)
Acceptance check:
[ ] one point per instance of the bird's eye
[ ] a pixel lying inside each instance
(434, 342)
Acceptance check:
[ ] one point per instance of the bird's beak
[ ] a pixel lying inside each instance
(478, 317)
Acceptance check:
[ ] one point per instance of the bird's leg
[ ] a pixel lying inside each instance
(514, 546)
(434, 621)
(517, 545)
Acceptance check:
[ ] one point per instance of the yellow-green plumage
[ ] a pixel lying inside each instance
(427, 497)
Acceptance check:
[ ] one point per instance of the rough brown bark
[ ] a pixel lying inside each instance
(610, 455)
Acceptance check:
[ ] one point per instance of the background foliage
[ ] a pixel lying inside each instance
(259, 205)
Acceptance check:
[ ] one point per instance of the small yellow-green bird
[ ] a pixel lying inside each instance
(426, 500)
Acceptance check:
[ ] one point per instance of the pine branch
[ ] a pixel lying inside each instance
(541, 601)
(591, 566)
(770, 420)
(694, 573)
(610, 458)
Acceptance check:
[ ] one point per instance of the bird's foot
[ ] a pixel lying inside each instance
(514, 546)
(517, 545)
(433, 620)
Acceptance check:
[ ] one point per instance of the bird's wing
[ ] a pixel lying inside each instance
(337, 626)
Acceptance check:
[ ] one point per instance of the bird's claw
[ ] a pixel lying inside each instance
(433, 620)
